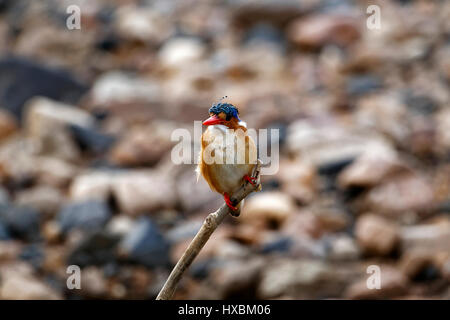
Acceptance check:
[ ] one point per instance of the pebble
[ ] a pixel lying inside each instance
(180, 51)
(46, 124)
(270, 207)
(117, 87)
(22, 222)
(91, 185)
(399, 195)
(8, 124)
(89, 215)
(45, 199)
(143, 146)
(23, 79)
(376, 235)
(28, 288)
(317, 30)
(146, 245)
(138, 192)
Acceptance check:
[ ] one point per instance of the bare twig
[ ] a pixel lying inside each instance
(212, 221)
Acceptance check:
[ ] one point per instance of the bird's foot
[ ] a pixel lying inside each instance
(229, 202)
(251, 180)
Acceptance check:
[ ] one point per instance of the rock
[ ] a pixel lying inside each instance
(292, 277)
(230, 249)
(140, 191)
(180, 51)
(55, 261)
(298, 179)
(265, 34)
(371, 168)
(421, 104)
(363, 84)
(92, 185)
(187, 185)
(433, 237)
(47, 42)
(22, 222)
(325, 143)
(47, 123)
(4, 233)
(384, 112)
(141, 24)
(143, 146)
(393, 284)
(91, 139)
(22, 79)
(33, 254)
(9, 250)
(20, 287)
(4, 196)
(376, 235)
(8, 124)
(247, 13)
(238, 278)
(248, 234)
(185, 230)
(413, 262)
(316, 31)
(16, 160)
(93, 284)
(51, 231)
(45, 199)
(146, 245)
(116, 87)
(443, 130)
(401, 194)
(88, 215)
(54, 171)
(278, 244)
(120, 225)
(43, 111)
(330, 218)
(343, 248)
(302, 224)
(271, 207)
(97, 248)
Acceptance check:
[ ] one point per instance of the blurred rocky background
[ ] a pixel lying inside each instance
(87, 179)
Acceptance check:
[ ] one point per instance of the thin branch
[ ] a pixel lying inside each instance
(212, 221)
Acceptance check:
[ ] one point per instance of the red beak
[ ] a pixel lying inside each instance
(212, 121)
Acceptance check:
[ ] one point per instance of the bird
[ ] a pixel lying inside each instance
(224, 170)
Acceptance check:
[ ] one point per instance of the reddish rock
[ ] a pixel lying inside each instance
(399, 195)
(298, 179)
(317, 30)
(143, 146)
(8, 124)
(271, 207)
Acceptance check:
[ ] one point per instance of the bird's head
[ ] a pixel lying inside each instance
(223, 113)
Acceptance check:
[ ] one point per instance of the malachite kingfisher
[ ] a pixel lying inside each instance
(228, 154)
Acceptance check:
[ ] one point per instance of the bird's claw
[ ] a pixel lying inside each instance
(251, 180)
(229, 202)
